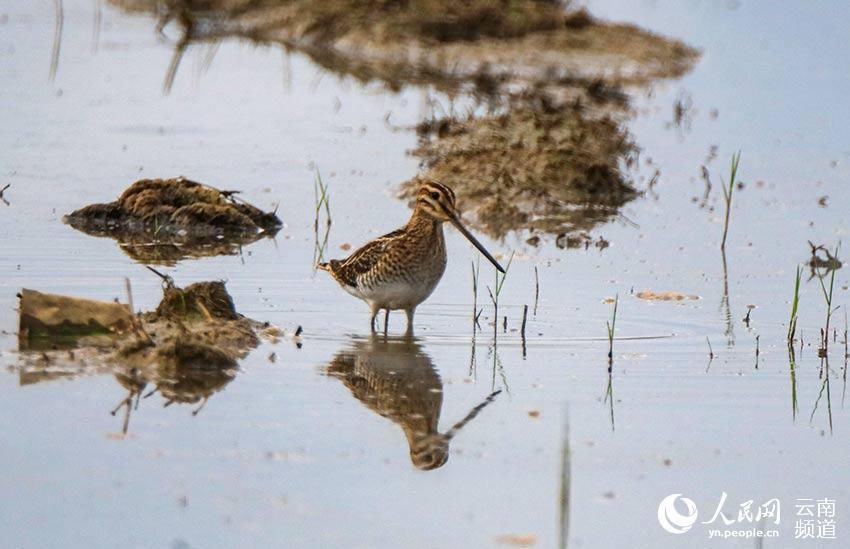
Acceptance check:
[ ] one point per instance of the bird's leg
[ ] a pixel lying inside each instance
(201, 407)
(375, 310)
(386, 320)
(124, 401)
(409, 312)
(126, 424)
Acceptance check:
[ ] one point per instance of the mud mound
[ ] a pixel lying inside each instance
(195, 324)
(170, 206)
(542, 169)
(188, 348)
(162, 220)
(197, 301)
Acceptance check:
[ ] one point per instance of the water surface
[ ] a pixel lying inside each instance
(287, 456)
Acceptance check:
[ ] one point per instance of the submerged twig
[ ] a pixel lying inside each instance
(725, 306)
(476, 268)
(609, 397)
(827, 295)
(824, 388)
(710, 354)
(536, 290)
(846, 357)
(98, 17)
(473, 363)
(522, 327)
(757, 352)
(564, 532)
(792, 367)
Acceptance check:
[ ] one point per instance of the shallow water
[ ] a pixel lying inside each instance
(286, 455)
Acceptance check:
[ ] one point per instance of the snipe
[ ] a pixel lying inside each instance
(400, 270)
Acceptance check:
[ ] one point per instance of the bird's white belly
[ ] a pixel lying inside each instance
(398, 295)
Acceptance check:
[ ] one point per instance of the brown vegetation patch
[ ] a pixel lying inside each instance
(543, 169)
(163, 220)
(201, 300)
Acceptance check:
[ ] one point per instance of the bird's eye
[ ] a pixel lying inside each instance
(435, 195)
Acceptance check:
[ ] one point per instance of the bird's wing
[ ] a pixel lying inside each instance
(363, 259)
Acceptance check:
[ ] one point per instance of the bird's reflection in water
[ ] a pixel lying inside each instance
(395, 378)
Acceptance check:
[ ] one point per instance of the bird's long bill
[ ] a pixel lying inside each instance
(456, 222)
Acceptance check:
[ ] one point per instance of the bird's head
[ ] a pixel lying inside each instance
(430, 452)
(438, 202)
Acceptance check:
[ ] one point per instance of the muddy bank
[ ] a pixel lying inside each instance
(187, 349)
(164, 220)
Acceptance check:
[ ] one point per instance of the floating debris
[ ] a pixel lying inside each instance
(649, 295)
(517, 540)
(822, 261)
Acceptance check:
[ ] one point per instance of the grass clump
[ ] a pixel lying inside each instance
(611, 326)
(792, 322)
(494, 294)
(727, 196)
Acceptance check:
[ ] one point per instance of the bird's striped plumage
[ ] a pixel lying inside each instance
(400, 269)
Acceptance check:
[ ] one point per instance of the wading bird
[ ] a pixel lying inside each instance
(400, 270)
